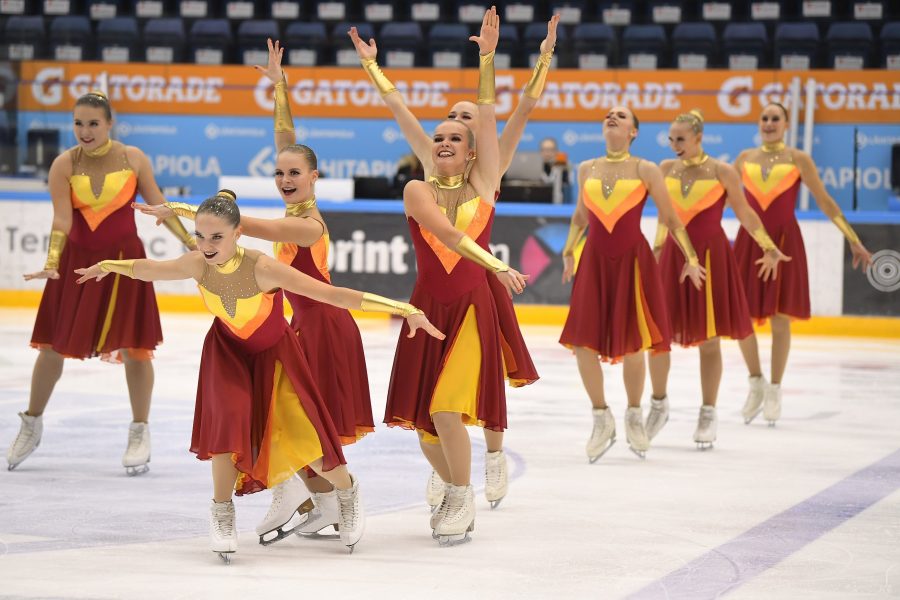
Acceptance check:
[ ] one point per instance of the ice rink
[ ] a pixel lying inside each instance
(808, 509)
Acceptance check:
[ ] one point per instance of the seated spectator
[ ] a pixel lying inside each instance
(556, 170)
(409, 167)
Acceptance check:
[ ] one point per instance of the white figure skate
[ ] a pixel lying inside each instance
(755, 398)
(326, 513)
(289, 498)
(657, 417)
(459, 519)
(222, 530)
(434, 491)
(772, 404)
(27, 440)
(440, 511)
(603, 435)
(496, 481)
(707, 423)
(634, 432)
(352, 521)
(137, 454)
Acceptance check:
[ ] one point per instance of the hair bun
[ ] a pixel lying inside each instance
(227, 194)
(696, 112)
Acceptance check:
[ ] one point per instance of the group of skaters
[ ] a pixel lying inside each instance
(277, 401)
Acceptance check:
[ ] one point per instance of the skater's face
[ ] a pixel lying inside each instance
(216, 238)
(683, 141)
(294, 177)
(451, 150)
(91, 127)
(772, 124)
(619, 126)
(466, 113)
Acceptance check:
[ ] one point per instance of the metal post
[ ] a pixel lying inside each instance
(808, 133)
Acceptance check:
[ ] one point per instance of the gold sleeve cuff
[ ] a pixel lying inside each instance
(468, 248)
(662, 234)
(535, 86)
(575, 233)
(380, 80)
(487, 84)
(54, 249)
(376, 303)
(182, 209)
(284, 122)
(122, 267)
(762, 238)
(845, 228)
(684, 240)
(177, 228)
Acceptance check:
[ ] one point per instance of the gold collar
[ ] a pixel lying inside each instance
(448, 182)
(615, 157)
(298, 208)
(101, 151)
(231, 265)
(776, 147)
(697, 160)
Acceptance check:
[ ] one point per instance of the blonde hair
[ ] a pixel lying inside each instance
(694, 118)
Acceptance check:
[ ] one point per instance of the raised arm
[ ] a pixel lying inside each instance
(515, 125)
(186, 266)
(152, 195)
(577, 226)
(486, 172)
(810, 176)
(412, 130)
(284, 122)
(58, 184)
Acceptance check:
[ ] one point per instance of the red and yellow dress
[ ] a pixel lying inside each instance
(617, 305)
(256, 396)
(719, 308)
(81, 321)
(463, 373)
(771, 184)
(331, 340)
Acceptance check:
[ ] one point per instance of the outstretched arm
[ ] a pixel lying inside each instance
(415, 135)
(486, 171)
(284, 122)
(186, 266)
(58, 185)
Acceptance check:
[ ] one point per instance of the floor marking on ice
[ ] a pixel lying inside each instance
(736, 562)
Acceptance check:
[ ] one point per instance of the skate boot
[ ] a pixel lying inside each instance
(705, 434)
(26, 441)
(289, 498)
(603, 436)
(440, 511)
(635, 434)
(755, 398)
(434, 491)
(772, 404)
(352, 520)
(326, 513)
(222, 530)
(657, 417)
(495, 477)
(137, 454)
(459, 518)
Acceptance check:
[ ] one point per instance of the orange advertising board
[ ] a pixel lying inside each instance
(570, 95)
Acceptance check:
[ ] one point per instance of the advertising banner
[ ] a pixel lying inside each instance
(876, 292)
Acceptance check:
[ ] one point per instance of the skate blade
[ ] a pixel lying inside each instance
(281, 531)
(642, 454)
(772, 422)
(225, 556)
(318, 535)
(495, 503)
(138, 470)
(703, 446)
(748, 420)
(612, 442)
(448, 541)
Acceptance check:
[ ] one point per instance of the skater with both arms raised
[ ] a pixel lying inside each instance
(259, 416)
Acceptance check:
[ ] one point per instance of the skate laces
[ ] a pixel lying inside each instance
(277, 496)
(348, 513)
(135, 436)
(455, 507)
(706, 419)
(223, 523)
(23, 438)
(494, 471)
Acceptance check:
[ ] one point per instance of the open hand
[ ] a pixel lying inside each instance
(861, 256)
(490, 32)
(363, 50)
(160, 211)
(550, 41)
(768, 264)
(45, 274)
(695, 273)
(417, 322)
(92, 272)
(273, 70)
(513, 281)
(568, 268)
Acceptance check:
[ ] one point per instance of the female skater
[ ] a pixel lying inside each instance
(520, 368)
(439, 388)
(617, 309)
(772, 175)
(699, 186)
(91, 186)
(259, 415)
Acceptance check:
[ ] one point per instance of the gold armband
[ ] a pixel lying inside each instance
(380, 80)
(468, 248)
(177, 228)
(662, 234)
(762, 238)
(845, 228)
(54, 249)
(182, 209)
(575, 233)
(487, 84)
(122, 267)
(535, 86)
(376, 303)
(684, 240)
(282, 115)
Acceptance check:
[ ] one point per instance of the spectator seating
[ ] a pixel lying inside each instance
(694, 46)
(71, 38)
(305, 44)
(118, 40)
(644, 47)
(796, 46)
(210, 42)
(745, 46)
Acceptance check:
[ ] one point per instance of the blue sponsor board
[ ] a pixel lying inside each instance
(191, 152)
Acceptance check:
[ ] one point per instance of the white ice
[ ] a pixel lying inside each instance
(73, 525)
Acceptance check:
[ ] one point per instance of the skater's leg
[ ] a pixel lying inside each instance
(316, 485)
(493, 440)
(48, 369)
(339, 476)
(781, 346)
(224, 475)
(456, 446)
(750, 349)
(139, 376)
(710, 370)
(591, 376)
(634, 372)
(660, 363)
(434, 453)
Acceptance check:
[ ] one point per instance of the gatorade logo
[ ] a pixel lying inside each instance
(47, 87)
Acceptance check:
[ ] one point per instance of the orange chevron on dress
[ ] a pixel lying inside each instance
(472, 217)
(319, 252)
(765, 190)
(703, 194)
(245, 317)
(95, 209)
(626, 194)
